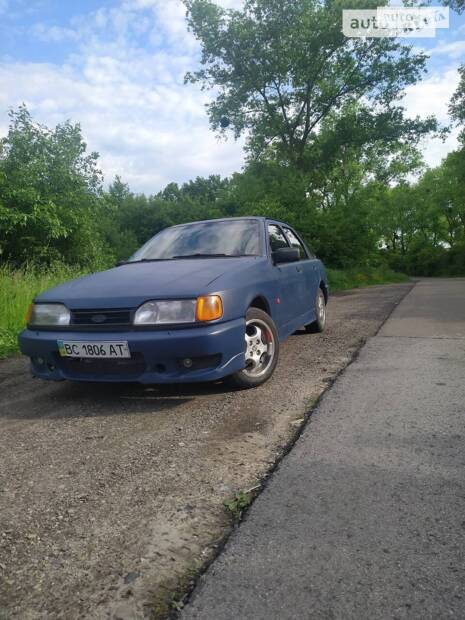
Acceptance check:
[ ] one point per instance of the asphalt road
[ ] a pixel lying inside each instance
(111, 496)
(365, 518)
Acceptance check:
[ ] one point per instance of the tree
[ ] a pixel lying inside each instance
(456, 5)
(206, 190)
(457, 104)
(118, 233)
(49, 194)
(281, 68)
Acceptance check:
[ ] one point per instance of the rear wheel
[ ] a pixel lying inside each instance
(261, 350)
(320, 312)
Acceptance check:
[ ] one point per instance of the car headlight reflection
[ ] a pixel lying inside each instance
(165, 312)
(209, 308)
(48, 315)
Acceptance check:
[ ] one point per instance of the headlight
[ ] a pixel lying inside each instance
(167, 312)
(45, 315)
(164, 312)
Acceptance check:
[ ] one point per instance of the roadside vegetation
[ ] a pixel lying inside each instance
(236, 506)
(343, 279)
(329, 149)
(17, 289)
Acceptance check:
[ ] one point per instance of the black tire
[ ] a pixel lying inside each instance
(261, 333)
(319, 324)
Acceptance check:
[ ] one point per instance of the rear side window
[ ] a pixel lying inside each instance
(295, 243)
(277, 238)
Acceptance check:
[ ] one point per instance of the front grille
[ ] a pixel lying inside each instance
(78, 367)
(95, 318)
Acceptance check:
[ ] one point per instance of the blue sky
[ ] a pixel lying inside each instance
(117, 67)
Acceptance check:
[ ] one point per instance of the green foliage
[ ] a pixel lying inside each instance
(240, 502)
(456, 5)
(422, 225)
(348, 210)
(17, 289)
(281, 68)
(341, 280)
(49, 195)
(457, 104)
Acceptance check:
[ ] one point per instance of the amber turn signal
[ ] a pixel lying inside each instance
(209, 308)
(28, 316)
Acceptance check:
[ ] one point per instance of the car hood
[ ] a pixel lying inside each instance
(131, 284)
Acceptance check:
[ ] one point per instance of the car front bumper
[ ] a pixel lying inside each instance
(156, 356)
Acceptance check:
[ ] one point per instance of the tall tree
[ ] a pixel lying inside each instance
(49, 193)
(456, 5)
(457, 104)
(281, 68)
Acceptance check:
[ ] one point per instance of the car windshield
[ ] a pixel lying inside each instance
(203, 240)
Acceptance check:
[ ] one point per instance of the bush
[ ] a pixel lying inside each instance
(340, 280)
(424, 259)
(17, 289)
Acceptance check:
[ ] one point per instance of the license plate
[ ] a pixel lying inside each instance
(69, 348)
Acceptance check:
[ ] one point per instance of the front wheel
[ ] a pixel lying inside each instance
(320, 312)
(261, 350)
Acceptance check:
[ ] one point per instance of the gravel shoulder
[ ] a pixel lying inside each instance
(111, 496)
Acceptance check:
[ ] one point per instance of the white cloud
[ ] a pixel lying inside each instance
(53, 34)
(149, 136)
(432, 96)
(230, 4)
(455, 50)
(128, 94)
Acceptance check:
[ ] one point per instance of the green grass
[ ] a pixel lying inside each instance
(341, 280)
(236, 506)
(17, 289)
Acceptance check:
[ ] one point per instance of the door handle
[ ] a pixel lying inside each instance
(299, 269)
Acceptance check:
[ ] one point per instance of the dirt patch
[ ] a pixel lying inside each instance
(111, 497)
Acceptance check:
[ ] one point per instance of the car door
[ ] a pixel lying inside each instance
(308, 268)
(289, 278)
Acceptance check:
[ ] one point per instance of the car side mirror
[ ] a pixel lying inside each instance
(285, 255)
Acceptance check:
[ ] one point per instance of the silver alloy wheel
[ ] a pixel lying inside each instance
(260, 348)
(321, 308)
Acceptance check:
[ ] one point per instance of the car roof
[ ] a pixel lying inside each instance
(258, 218)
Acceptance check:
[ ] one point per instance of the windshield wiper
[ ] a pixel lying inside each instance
(200, 255)
(212, 255)
(140, 260)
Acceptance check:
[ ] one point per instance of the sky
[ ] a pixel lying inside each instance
(117, 67)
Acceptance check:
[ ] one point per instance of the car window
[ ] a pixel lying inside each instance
(276, 237)
(212, 238)
(295, 242)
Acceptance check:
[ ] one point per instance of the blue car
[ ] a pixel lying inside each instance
(198, 302)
